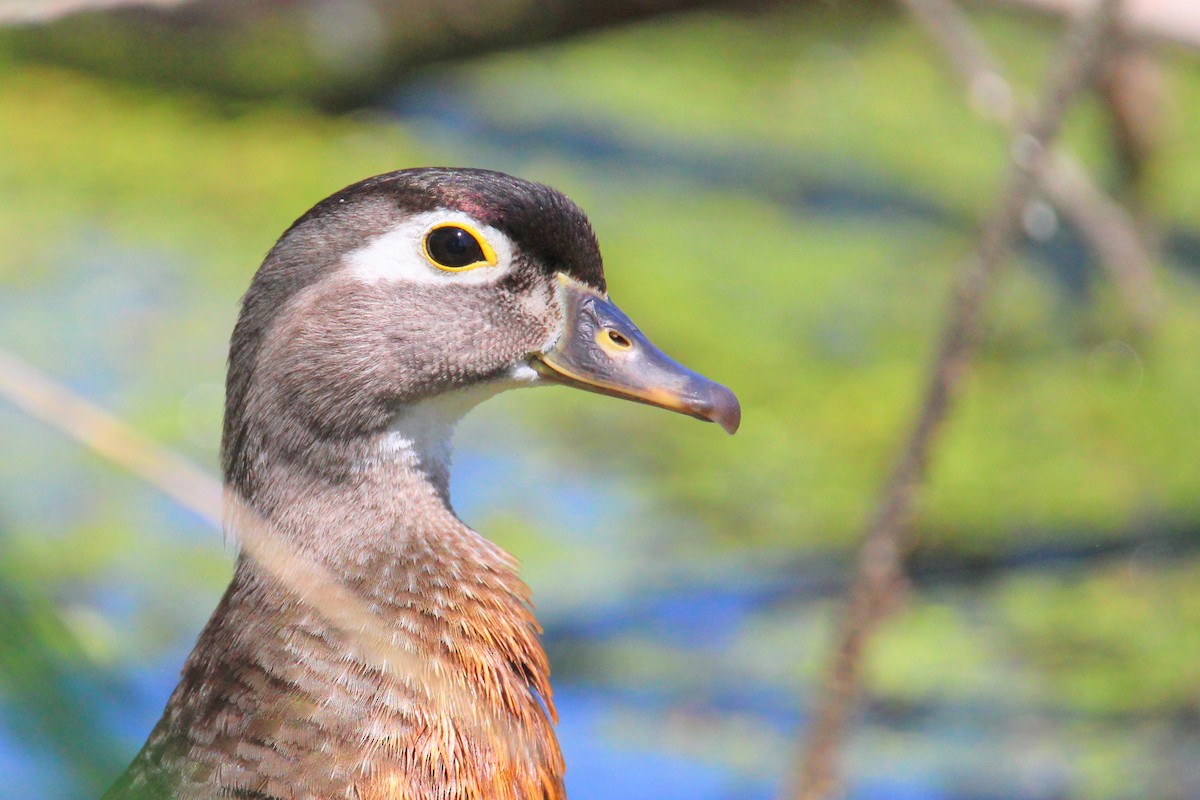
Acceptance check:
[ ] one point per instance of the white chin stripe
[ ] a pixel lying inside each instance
(398, 255)
(523, 374)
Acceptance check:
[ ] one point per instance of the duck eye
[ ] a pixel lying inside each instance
(453, 247)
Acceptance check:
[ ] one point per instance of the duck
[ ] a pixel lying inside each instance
(370, 645)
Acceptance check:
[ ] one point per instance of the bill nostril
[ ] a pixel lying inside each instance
(618, 339)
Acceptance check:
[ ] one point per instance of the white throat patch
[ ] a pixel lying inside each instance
(421, 434)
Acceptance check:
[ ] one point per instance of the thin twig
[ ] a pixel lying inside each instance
(47, 400)
(1112, 232)
(991, 93)
(1108, 228)
(378, 643)
(878, 570)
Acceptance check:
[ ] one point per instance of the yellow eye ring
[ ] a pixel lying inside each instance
(455, 247)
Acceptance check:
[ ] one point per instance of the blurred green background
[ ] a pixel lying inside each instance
(782, 194)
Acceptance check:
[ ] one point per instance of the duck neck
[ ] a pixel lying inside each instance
(340, 499)
(381, 526)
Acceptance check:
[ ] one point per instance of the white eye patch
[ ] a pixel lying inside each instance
(400, 256)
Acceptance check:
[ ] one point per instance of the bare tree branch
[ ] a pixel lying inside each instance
(1176, 21)
(31, 11)
(879, 570)
(1134, 92)
(337, 55)
(1104, 223)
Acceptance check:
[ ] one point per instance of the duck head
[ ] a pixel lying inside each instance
(370, 644)
(427, 284)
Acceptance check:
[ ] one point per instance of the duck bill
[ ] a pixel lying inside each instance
(601, 350)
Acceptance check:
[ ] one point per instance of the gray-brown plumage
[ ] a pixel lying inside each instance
(377, 320)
